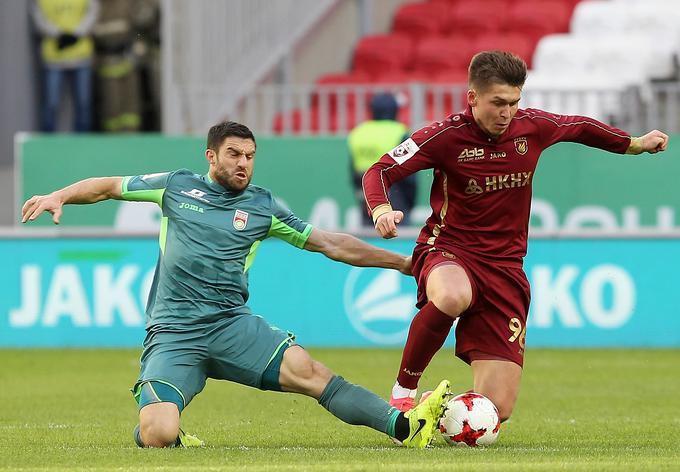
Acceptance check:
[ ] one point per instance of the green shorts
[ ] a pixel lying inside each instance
(243, 349)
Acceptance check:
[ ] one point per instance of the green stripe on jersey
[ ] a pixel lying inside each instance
(155, 196)
(250, 258)
(282, 231)
(163, 233)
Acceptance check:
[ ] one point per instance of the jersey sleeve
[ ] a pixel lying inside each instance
(288, 227)
(579, 129)
(413, 154)
(145, 188)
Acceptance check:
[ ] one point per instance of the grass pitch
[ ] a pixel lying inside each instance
(578, 410)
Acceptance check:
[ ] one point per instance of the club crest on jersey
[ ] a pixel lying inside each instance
(240, 220)
(404, 151)
(521, 146)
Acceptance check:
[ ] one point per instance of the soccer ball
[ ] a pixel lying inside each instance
(471, 419)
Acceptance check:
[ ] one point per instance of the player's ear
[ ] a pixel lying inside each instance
(210, 155)
(472, 97)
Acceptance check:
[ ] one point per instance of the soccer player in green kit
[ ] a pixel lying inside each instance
(197, 321)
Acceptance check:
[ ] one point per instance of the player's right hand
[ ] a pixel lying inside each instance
(386, 224)
(38, 204)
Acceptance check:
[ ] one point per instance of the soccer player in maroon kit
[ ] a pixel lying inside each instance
(468, 257)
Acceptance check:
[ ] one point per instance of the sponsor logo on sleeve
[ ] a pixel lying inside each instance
(240, 220)
(404, 151)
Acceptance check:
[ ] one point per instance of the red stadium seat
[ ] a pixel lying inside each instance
(537, 18)
(441, 53)
(420, 19)
(450, 76)
(380, 53)
(516, 43)
(476, 17)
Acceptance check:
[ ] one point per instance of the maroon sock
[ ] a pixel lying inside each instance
(427, 334)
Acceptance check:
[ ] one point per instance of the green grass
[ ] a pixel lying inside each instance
(578, 410)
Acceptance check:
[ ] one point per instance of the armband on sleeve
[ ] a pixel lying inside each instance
(380, 210)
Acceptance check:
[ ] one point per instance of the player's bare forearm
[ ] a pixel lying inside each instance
(351, 250)
(90, 190)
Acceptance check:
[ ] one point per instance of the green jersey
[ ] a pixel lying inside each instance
(208, 238)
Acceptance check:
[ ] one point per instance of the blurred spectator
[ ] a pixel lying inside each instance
(118, 95)
(368, 142)
(146, 50)
(66, 51)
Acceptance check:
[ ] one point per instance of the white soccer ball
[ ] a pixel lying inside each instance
(470, 419)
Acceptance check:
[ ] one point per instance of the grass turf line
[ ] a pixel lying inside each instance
(578, 410)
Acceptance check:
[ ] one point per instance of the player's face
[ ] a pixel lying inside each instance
(494, 107)
(232, 164)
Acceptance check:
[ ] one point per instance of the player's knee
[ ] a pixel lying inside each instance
(158, 430)
(300, 373)
(298, 363)
(451, 303)
(158, 435)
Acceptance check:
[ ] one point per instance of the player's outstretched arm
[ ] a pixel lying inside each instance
(652, 142)
(86, 191)
(350, 250)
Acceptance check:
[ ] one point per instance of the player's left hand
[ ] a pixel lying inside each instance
(38, 204)
(406, 267)
(653, 142)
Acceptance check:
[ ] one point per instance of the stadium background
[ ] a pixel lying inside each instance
(605, 229)
(599, 222)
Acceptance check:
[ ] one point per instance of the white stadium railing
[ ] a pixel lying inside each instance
(333, 110)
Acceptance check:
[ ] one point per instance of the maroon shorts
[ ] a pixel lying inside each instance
(494, 325)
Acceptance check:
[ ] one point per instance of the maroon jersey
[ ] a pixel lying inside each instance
(481, 193)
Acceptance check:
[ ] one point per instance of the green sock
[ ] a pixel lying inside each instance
(354, 404)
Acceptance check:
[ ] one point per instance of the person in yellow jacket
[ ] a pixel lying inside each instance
(368, 142)
(66, 51)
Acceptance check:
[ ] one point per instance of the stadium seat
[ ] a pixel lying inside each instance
(441, 53)
(476, 17)
(655, 18)
(380, 53)
(597, 17)
(420, 19)
(514, 42)
(537, 18)
(561, 53)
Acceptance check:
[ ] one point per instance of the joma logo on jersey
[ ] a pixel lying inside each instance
(471, 154)
(191, 206)
(195, 193)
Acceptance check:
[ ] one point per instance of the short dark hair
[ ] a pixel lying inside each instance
(496, 67)
(222, 131)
